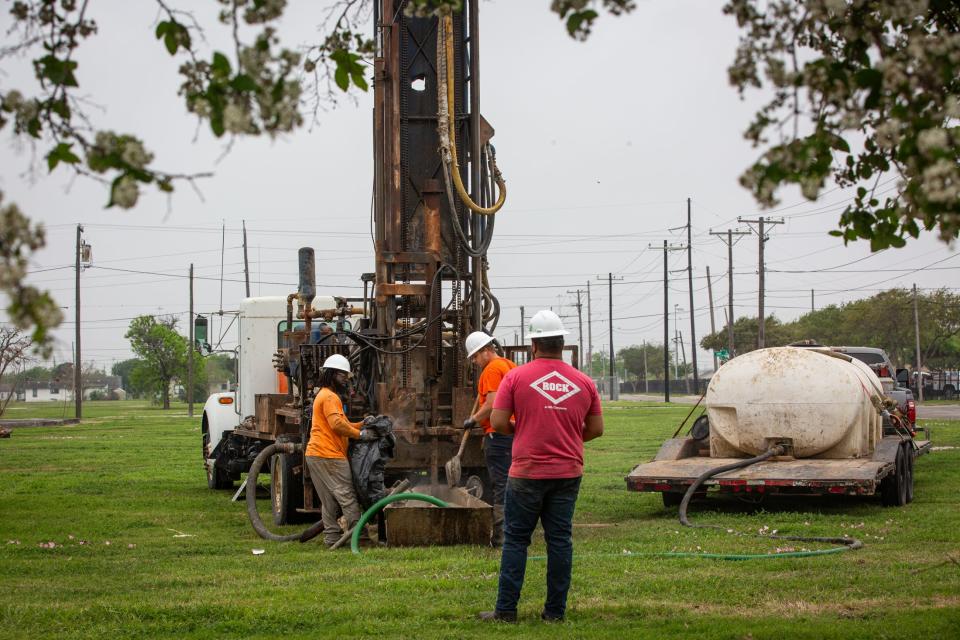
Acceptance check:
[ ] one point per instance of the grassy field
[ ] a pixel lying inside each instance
(141, 548)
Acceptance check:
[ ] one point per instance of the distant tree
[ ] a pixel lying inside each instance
(633, 361)
(162, 353)
(201, 378)
(14, 355)
(123, 370)
(884, 320)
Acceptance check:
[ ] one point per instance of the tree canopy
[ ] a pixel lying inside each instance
(864, 93)
(884, 320)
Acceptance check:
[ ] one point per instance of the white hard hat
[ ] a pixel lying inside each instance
(546, 324)
(476, 341)
(338, 362)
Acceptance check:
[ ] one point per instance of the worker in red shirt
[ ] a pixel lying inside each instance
(496, 446)
(556, 409)
(326, 454)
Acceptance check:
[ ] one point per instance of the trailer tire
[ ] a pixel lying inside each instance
(671, 499)
(910, 458)
(893, 488)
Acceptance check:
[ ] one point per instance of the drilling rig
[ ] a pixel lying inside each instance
(436, 190)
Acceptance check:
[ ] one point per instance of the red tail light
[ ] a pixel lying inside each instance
(884, 372)
(911, 412)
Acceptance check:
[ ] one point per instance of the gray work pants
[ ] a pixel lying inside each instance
(334, 484)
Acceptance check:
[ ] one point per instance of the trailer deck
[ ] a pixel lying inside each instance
(777, 475)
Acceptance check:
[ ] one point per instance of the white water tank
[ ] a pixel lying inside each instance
(824, 404)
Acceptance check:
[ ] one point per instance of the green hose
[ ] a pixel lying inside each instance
(709, 556)
(380, 504)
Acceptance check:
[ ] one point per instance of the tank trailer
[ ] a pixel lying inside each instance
(822, 418)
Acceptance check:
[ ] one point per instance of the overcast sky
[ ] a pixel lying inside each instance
(601, 143)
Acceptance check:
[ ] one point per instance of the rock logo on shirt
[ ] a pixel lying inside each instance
(554, 387)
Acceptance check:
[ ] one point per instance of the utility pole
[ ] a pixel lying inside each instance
(693, 328)
(77, 361)
(761, 235)
(916, 331)
(614, 394)
(580, 322)
(646, 377)
(713, 328)
(730, 242)
(190, 348)
(246, 266)
(77, 384)
(589, 331)
(666, 317)
(811, 301)
(522, 326)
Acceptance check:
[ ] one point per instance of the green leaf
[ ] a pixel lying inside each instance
(243, 82)
(170, 41)
(220, 65)
(162, 28)
(61, 153)
(113, 186)
(57, 71)
(579, 22)
(342, 78)
(357, 75)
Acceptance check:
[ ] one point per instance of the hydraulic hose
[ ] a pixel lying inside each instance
(380, 504)
(252, 513)
(848, 544)
(449, 141)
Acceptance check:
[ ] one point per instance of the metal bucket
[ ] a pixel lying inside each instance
(467, 520)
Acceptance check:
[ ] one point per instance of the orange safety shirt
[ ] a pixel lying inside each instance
(489, 382)
(330, 431)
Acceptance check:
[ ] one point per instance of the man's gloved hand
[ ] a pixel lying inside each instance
(469, 423)
(367, 435)
(369, 419)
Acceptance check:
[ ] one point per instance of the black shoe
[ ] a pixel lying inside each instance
(549, 617)
(498, 616)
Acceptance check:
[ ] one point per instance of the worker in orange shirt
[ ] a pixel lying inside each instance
(497, 447)
(326, 455)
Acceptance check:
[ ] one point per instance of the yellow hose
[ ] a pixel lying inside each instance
(451, 123)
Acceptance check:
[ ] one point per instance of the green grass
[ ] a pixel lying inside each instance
(179, 562)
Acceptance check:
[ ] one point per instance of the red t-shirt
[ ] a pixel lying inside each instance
(490, 381)
(550, 400)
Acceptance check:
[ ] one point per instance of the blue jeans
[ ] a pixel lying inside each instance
(552, 503)
(497, 450)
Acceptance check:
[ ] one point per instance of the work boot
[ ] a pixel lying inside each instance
(496, 538)
(549, 617)
(498, 616)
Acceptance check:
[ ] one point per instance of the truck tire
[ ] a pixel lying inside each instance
(281, 481)
(286, 490)
(217, 478)
(893, 488)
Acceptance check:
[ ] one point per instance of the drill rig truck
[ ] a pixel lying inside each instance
(436, 188)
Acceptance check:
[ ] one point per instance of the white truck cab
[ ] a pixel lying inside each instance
(261, 322)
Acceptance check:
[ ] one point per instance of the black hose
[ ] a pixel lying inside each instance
(776, 450)
(252, 513)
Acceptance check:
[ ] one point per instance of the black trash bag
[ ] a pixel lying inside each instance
(369, 459)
